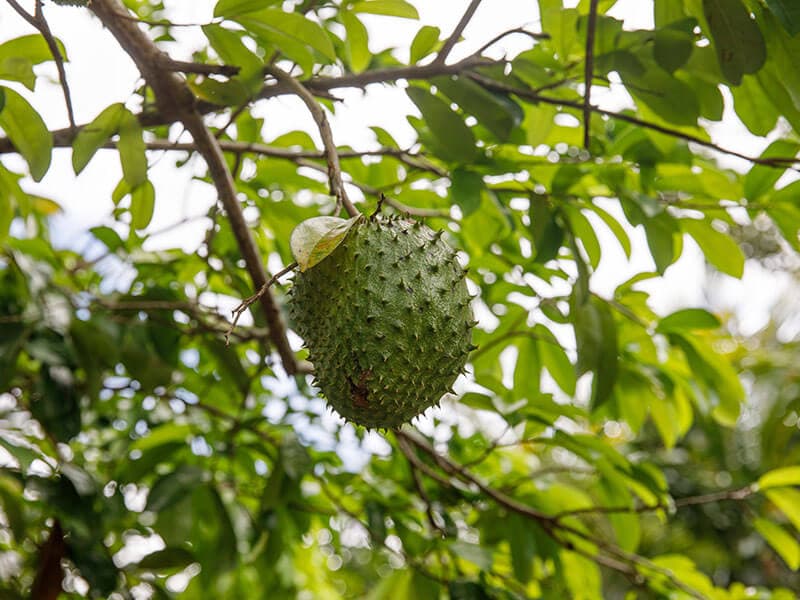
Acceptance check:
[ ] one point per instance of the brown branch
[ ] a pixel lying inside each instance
(245, 304)
(182, 66)
(39, 22)
(736, 495)
(497, 86)
(321, 85)
(331, 154)
(531, 34)
(589, 72)
(547, 522)
(452, 40)
(176, 102)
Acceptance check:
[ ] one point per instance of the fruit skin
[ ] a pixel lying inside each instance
(387, 320)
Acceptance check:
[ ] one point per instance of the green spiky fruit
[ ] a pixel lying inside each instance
(387, 320)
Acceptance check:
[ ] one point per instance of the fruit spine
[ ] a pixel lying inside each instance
(387, 320)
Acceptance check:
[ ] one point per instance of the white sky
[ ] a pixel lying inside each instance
(100, 73)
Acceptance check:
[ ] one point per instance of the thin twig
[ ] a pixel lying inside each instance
(588, 73)
(331, 154)
(531, 34)
(176, 102)
(247, 302)
(456, 34)
(38, 21)
(494, 85)
(199, 68)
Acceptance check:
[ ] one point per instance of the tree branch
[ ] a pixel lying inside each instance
(331, 155)
(589, 72)
(456, 35)
(497, 86)
(38, 21)
(175, 101)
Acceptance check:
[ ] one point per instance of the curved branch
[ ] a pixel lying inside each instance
(331, 154)
(175, 101)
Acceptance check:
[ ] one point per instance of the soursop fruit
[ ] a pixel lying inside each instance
(387, 320)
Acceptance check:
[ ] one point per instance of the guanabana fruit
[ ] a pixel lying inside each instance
(387, 320)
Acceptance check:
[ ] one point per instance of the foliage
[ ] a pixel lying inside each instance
(595, 448)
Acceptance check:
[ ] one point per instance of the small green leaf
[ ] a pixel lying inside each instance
(230, 48)
(782, 477)
(389, 8)
(673, 44)
(27, 131)
(355, 41)
(762, 178)
(316, 238)
(497, 113)
(787, 499)
(142, 204)
(424, 43)
(688, 319)
(788, 13)
(132, 150)
(453, 140)
(174, 486)
(231, 8)
(473, 553)
(781, 541)
(738, 40)
(466, 189)
(660, 232)
(596, 341)
(93, 135)
(290, 26)
(168, 558)
(719, 248)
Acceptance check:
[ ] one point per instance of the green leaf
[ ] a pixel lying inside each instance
(230, 48)
(27, 131)
(132, 150)
(688, 319)
(754, 107)
(453, 140)
(762, 178)
(522, 542)
(615, 226)
(788, 13)
(784, 544)
(497, 113)
(787, 499)
(596, 341)
(316, 238)
(168, 558)
(143, 199)
(424, 43)
(738, 40)
(56, 403)
(477, 555)
(660, 232)
(281, 26)
(93, 135)
(174, 486)
(584, 232)
(782, 477)
(355, 41)
(231, 8)
(465, 189)
(719, 248)
(545, 229)
(390, 8)
(673, 44)
(18, 56)
(555, 359)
